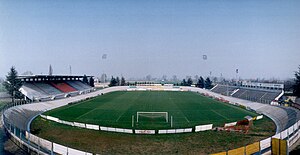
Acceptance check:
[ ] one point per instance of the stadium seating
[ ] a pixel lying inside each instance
(256, 95)
(33, 92)
(239, 93)
(284, 116)
(63, 87)
(47, 88)
(78, 85)
(271, 95)
(20, 116)
(224, 90)
(85, 86)
(44, 90)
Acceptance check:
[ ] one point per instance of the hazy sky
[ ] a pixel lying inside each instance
(260, 38)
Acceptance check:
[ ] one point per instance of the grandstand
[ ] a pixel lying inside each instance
(78, 85)
(18, 118)
(262, 94)
(224, 90)
(62, 86)
(256, 95)
(45, 87)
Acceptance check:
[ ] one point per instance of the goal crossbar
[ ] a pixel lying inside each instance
(165, 114)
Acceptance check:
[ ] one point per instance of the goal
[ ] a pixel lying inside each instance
(152, 115)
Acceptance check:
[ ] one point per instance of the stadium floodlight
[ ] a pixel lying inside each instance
(104, 56)
(151, 115)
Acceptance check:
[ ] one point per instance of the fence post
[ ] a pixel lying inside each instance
(39, 143)
(288, 134)
(20, 137)
(28, 141)
(52, 148)
(14, 130)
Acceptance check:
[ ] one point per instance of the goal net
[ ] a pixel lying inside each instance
(151, 115)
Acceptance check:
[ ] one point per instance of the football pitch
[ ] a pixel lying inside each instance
(119, 109)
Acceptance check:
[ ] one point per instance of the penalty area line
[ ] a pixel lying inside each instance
(186, 119)
(219, 114)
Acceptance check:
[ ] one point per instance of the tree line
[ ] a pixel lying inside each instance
(12, 83)
(90, 82)
(201, 83)
(117, 82)
(296, 87)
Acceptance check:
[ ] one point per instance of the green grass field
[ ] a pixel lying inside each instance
(116, 109)
(201, 143)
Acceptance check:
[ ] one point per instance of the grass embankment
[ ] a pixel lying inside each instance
(116, 143)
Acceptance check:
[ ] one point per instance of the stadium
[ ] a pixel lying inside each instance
(150, 77)
(63, 110)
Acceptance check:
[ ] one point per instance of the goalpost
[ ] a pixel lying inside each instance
(151, 115)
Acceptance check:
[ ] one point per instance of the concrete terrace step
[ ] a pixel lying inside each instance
(282, 116)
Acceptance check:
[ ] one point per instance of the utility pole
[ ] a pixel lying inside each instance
(70, 67)
(50, 70)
